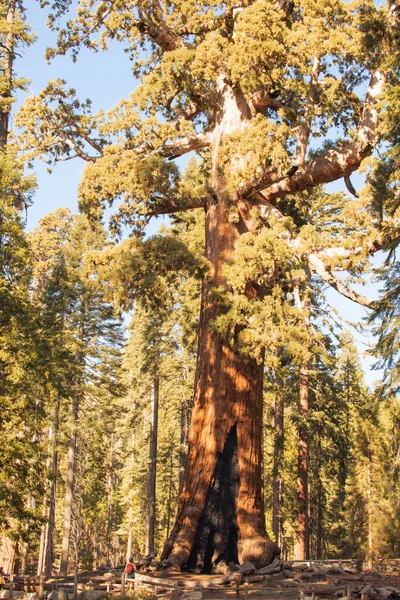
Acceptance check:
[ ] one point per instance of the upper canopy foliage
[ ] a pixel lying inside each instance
(276, 98)
(298, 71)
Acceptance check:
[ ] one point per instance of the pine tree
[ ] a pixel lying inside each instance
(82, 332)
(23, 378)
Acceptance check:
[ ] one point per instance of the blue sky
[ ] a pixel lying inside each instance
(105, 78)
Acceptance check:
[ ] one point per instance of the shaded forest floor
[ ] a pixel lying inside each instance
(367, 585)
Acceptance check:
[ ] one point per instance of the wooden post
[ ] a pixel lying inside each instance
(123, 585)
(11, 586)
(348, 592)
(41, 582)
(108, 587)
(237, 583)
(76, 581)
(175, 592)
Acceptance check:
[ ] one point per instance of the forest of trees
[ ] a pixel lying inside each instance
(192, 393)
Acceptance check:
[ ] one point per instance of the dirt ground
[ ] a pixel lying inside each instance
(282, 587)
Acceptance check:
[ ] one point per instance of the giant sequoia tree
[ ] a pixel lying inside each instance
(249, 86)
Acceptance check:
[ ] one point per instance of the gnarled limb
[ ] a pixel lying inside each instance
(183, 146)
(262, 100)
(305, 129)
(337, 162)
(317, 265)
(156, 28)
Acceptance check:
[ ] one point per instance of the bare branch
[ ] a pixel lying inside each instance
(179, 148)
(350, 186)
(326, 275)
(305, 129)
(77, 149)
(93, 144)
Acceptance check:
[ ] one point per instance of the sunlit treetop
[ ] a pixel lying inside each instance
(274, 97)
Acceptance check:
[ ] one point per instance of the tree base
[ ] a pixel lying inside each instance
(259, 550)
(218, 536)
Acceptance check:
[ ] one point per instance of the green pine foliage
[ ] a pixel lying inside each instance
(64, 288)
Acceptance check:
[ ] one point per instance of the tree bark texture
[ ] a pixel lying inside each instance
(151, 502)
(301, 546)
(7, 52)
(277, 475)
(183, 449)
(221, 513)
(71, 472)
(49, 545)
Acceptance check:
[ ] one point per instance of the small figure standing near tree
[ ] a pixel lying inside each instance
(130, 572)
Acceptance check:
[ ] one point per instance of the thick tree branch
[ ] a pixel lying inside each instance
(337, 162)
(153, 23)
(77, 149)
(262, 100)
(174, 150)
(173, 208)
(350, 186)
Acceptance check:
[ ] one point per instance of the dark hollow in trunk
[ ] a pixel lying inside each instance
(217, 533)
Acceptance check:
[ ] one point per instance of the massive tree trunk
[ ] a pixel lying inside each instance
(221, 513)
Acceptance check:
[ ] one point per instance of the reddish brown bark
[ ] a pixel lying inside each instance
(277, 506)
(151, 483)
(301, 546)
(221, 514)
(228, 398)
(7, 68)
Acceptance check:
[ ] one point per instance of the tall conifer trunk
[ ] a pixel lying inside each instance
(110, 493)
(70, 485)
(183, 449)
(301, 548)
(221, 513)
(151, 496)
(7, 53)
(279, 416)
(301, 545)
(319, 528)
(49, 542)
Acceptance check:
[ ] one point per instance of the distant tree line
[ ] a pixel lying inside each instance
(103, 441)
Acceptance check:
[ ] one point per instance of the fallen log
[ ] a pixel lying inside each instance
(183, 583)
(275, 567)
(324, 590)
